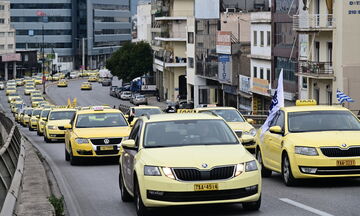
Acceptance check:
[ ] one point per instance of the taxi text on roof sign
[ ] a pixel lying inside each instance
(306, 102)
(185, 111)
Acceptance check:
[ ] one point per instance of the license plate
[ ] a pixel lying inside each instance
(345, 163)
(206, 187)
(106, 148)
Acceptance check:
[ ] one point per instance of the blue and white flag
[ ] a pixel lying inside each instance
(341, 97)
(276, 103)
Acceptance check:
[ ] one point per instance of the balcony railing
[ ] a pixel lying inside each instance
(316, 69)
(313, 22)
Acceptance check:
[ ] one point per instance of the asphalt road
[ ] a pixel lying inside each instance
(92, 189)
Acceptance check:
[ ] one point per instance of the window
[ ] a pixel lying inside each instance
(10, 46)
(10, 34)
(304, 82)
(190, 37)
(2, 34)
(2, 21)
(261, 73)
(2, 46)
(2, 7)
(268, 41)
(280, 120)
(262, 38)
(40, 6)
(255, 38)
(255, 72)
(191, 62)
(268, 75)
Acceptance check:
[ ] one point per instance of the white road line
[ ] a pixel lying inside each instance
(305, 207)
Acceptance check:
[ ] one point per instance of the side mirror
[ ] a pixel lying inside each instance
(128, 144)
(250, 121)
(130, 119)
(67, 126)
(276, 130)
(44, 119)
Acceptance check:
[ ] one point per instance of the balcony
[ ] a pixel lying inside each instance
(317, 70)
(261, 86)
(313, 22)
(165, 59)
(176, 36)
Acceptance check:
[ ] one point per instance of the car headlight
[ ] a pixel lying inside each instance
(52, 127)
(252, 132)
(82, 141)
(251, 166)
(309, 151)
(151, 171)
(168, 172)
(239, 169)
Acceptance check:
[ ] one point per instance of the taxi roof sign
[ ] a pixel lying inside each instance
(310, 102)
(98, 108)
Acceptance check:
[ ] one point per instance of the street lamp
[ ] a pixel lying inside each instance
(44, 20)
(82, 53)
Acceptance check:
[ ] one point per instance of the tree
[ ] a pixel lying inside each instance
(131, 60)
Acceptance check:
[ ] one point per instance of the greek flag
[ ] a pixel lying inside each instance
(341, 97)
(276, 103)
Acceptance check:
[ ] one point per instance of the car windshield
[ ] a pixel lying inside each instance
(36, 112)
(150, 111)
(61, 115)
(95, 120)
(13, 94)
(188, 132)
(227, 115)
(44, 113)
(140, 96)
(28, 111)
(37, 99)
(322, 121)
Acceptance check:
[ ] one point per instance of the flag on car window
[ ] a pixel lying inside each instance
(276, 103)
(342, 97)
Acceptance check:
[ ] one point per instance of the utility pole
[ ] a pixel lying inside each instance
(43, 60)
(83, 55)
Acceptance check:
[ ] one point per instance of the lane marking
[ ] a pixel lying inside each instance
(305, 207)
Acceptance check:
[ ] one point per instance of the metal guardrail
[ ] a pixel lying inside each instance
(9, 157)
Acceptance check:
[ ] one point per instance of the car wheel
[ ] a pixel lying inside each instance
(38, 132)
(30, 128)
(73, 160)
(252, 206)
(141, 209)
(67, 155)
(46, 139)
(125, 196)
(264, 171)
(286, 172)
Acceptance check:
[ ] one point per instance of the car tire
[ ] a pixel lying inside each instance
(265, 172)
(125, 196)
(286, 172)
(141, 209)
(73, 160)
(47, 140)
(38, 132)
(67, 155)
(30, 128)
(252, 206)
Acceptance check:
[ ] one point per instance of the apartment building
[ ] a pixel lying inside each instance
(7, 43)
(143, 24)
(261, 60)
(169, 42)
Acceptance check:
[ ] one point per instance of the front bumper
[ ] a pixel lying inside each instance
(159, 191)
(91, 150)
(326, 167)
(33, 125)
(55, 134)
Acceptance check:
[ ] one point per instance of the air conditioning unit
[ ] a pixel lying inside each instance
(230, 10)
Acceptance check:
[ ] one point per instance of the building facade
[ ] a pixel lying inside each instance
(143, 23)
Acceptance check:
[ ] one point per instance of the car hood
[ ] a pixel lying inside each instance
(325, 138)
(195, 156)
(243, 126)
(58, 122)
(102, 132)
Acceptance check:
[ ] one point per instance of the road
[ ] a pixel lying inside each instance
(92, 189)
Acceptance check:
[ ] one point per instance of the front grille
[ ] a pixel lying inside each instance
(338, 152)
(61, 128)
(198, 196)
(343, 170)
(109, 152)
(57, 135)
(112, 141)
(249, 143)
(239, 133)
(200, 175)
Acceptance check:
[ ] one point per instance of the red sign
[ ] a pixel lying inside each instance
(40, 13)
(11, 57)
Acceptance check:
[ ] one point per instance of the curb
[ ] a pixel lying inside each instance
(13, 193)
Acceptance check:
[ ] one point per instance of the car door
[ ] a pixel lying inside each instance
(128, 155)
(275, 141)
(68, 133)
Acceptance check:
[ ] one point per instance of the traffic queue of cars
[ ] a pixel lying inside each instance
(201, 156)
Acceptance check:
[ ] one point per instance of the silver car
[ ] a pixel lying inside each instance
(2, 86)
(125, 95)
(140, 100)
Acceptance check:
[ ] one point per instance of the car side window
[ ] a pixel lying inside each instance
(280, 120)
(135, 130)
(274, 120)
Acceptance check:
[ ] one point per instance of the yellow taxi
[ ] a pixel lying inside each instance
(217, 169)
(310, 141)
(25, 118)
(35, 94)
(56, 77)
(42, 121)
(86, 86)
(19, 82)
(16, 106)
(12, 95)
(10, 90)
(93, 79)
(97, 132)
(38, 81)
(242, 127)
(28, 90)
(34, 119)
(62, 83)
(57, 119)
(17, 114)
(137, 111)
(35, 101)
